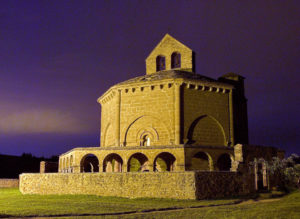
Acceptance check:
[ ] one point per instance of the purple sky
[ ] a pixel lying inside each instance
(58, 57)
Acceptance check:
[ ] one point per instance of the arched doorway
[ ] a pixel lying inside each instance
(224, 162)
(89, 163)
(112, 163)
(164, 162)
(138, 162)
(200, 161)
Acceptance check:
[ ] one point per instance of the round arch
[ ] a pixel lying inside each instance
(138, 162)
(164, 161)
(176, 60)
(224, 162)
(153, 130)
(112, 163)
(201, 161)
(89, 163)
(200, 136)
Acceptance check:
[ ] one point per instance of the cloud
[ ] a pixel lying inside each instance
(40, 121)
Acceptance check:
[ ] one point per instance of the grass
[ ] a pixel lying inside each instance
(14, 204)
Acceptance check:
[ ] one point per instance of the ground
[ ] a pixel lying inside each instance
(14, 204)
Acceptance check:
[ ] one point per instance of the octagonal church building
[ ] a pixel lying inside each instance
(170, 119)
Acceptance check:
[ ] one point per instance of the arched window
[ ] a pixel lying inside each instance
(146, 140)
(160, 63)
(175, 60)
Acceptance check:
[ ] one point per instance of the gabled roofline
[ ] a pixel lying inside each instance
(163, 39)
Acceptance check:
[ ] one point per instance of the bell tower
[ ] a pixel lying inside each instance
(170, 54)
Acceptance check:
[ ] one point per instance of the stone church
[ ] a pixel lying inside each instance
(170, 133)
(170, 119)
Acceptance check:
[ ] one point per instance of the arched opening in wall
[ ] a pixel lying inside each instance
(224, 162)
(175, 60)
(260, 184)
(160, 63)
(89, 164)
(145, 140)
(112, 163)
(138, 162)
(205, 130)
(164, 162)
(200, 161)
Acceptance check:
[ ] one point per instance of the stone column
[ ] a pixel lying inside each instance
(264, 173)
(177, 114)
(231, 119)
(76, 169)
(255, 174)
(124, 167)
(117, 120)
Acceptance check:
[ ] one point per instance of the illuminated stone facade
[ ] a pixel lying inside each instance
(170, 119)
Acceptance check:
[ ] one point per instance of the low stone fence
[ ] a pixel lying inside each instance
(179, 185)
(9, 183)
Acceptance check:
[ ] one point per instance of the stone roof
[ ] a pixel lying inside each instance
(171, 74)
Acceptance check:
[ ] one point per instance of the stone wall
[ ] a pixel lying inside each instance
(223, 184)
(179, 185)
(147, 111)
(206, 117)
(9, 183)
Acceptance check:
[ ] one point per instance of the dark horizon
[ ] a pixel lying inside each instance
(58, 57)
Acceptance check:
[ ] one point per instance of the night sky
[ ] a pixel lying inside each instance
(58, 57)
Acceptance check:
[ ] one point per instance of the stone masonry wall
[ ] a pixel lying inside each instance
(223, 184)
(9, 183)
(132, 185)
(214, 106)
(147, 110)
(179, 185)
(108, 114)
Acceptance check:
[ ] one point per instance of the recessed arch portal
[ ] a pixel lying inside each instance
(112, 163)
(89, 163)
(200, 161)
(164, 162)
(206, 130)
(224, 162)
(138, 162)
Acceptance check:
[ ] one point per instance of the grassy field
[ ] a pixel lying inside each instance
(14, 204)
